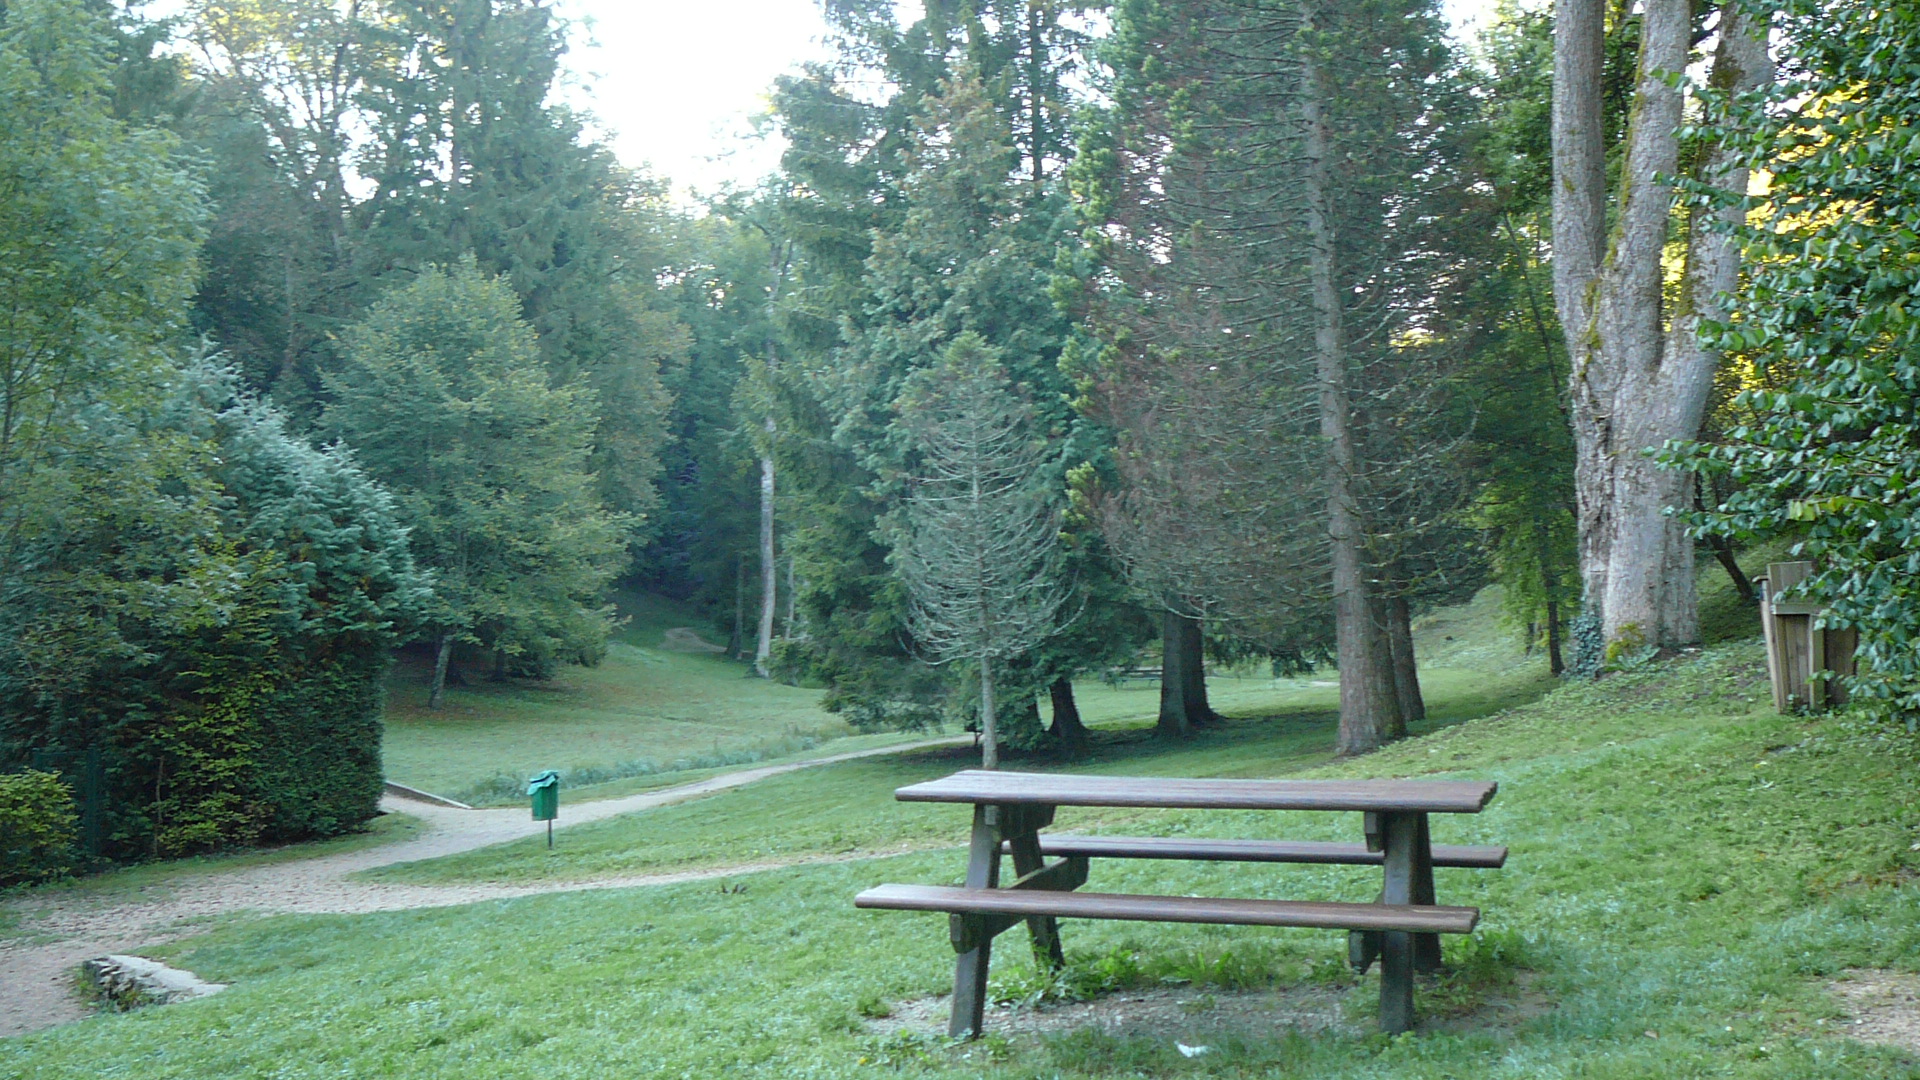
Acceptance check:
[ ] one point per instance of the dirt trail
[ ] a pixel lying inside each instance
(688, 640)
(59, 930)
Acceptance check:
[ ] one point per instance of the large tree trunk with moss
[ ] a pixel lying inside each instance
(1640, 376)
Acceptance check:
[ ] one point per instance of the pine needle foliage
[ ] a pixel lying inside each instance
(981, 556)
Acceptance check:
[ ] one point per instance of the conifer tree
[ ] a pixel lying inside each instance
(1260, 197)
(980, 550)
(970, 249)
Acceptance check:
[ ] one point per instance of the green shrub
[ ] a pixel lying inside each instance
(36, 827)
(318, 755)
(1825, 335)
(218, 631)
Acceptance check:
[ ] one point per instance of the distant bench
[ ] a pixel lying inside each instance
(1011, 808)
(1118, 676)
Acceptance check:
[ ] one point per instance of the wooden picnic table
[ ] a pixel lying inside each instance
(1010, 809)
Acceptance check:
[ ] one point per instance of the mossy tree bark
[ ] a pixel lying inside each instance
(1640, 375)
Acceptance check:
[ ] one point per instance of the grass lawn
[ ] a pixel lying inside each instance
(648, 715)
(643, 705)
(1689, 872)
(848, 808)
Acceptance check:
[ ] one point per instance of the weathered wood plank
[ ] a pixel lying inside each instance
(970, 967)
(1061, 789)
(970, 929)
(1797, 607)
(1402, 834)
(1426, 947)
(1363, 948)
(1031, 865)
(1276, 851)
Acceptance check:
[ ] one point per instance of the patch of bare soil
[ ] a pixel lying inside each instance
(1183, 1014)
(1882, 1007)
(1191, 1016)
(686, 639)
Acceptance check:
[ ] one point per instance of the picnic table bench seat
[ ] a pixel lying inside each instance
(1204, 849)
(1029, 903)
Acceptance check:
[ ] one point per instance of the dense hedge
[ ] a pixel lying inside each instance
(1828, 317)
(218, 623)
(318, 767)
(36, 827)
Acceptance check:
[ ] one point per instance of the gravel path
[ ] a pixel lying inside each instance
(59, 930)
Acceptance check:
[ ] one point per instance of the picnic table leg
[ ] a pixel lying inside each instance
(1402, 841)
(1426, 947)
(1363, 946)
(1045, 928)
(970, 970)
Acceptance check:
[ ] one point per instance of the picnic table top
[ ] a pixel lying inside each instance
(1064, 789)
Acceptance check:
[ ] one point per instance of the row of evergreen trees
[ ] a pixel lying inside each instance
(1068, 332)
(387, 229)
(1125, 225)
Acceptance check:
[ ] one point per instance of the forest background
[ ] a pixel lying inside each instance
(333, 332)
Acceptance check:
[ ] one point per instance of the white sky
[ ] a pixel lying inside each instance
(674, 83)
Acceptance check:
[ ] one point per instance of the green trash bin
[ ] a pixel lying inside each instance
(544, 789)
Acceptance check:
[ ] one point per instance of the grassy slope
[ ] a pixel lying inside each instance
(1688, 870)
(1275, 726)
(644, 703)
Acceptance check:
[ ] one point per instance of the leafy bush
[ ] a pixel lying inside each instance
(1826, 325)
(890, 695)
(216, 618)
(36, 827)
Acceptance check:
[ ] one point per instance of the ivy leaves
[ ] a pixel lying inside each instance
(1830, 318)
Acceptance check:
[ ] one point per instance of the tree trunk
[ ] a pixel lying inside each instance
(786, 628)
(1550, 588)
(1067, 730)
(1183, 676)
(1406, 676)
(1556, 664)
(1382, 678)
(1036, 101)
(737, 643)
(1638, 379)
(441, 657)
(1366, 714)
(769, 571)
(1723, 551)
(989, 728)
